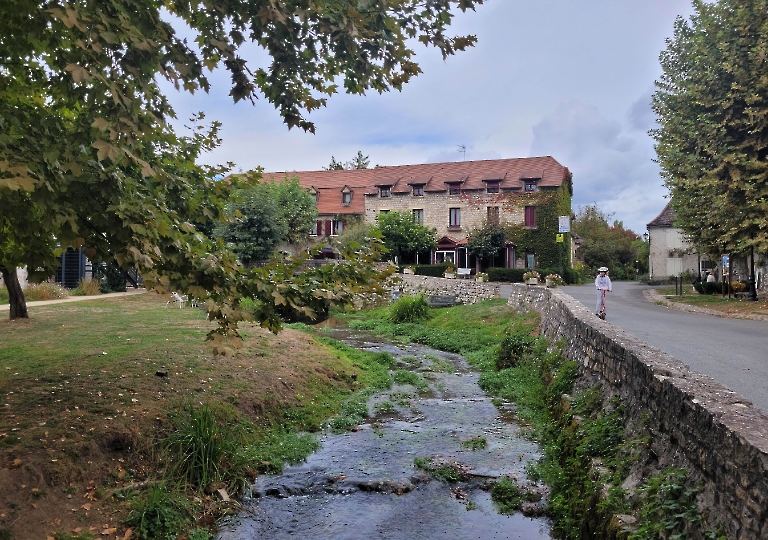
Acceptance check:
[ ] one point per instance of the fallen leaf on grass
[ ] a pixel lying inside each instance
(110, 530)
(56, 522)
(86, 507)
(128, 534)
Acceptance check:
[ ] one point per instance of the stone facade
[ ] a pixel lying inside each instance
(436, 207)
(697, 423)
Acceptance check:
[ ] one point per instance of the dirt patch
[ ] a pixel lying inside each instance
(76, 426)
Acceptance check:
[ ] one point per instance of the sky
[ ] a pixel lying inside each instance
(568, 78)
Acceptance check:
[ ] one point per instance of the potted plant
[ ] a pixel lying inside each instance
(481, 277)
(407, 270)
(450, 272)
(554, 280)
(532, 277)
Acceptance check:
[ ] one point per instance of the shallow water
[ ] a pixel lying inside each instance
(363, 484)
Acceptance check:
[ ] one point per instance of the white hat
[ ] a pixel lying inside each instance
(602, 269)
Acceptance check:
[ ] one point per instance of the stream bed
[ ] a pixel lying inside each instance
(363, 484)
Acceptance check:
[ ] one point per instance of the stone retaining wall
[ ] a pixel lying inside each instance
(697, 423)
(467, 291)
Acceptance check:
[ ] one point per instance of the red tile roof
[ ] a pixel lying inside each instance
(473, 175)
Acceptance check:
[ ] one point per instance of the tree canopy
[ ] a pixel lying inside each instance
(358, 162)
(264, 216)
(402, 236)
(608, 244)
(486, 241)
(85, 141)
(712, 105)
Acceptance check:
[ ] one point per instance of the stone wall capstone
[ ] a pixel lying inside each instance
(697, 423)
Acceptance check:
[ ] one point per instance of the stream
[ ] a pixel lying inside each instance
(363, 484)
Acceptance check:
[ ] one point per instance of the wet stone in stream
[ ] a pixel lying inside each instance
(363, 484)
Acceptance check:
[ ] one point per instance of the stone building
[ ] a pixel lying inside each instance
(454, 198)
(671, 254)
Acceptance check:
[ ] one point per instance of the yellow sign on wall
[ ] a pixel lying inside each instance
(560, 237)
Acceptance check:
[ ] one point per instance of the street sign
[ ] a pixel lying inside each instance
(726, 261)
(563, 224)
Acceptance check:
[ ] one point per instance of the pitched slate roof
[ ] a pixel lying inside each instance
(665, 219)
(434, 177)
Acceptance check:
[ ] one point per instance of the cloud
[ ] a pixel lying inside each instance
(640, 116)
(612, 164)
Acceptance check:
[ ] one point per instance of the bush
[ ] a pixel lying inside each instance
(44, 291)
(110, 278)
(86, 288)
(571, 276)
(704, 287)
(204, 446)
(512, 348)
(513, 275)
(409, 309)
(158, 515)
(434, 270)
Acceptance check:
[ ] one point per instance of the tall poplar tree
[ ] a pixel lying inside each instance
(712, 105)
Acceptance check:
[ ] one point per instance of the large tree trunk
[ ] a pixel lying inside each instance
(15, 294)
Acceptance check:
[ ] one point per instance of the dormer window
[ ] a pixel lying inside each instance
(418, 190)
(385, 191)
(492, 186)
(530, 186)
(454, 188)
(346, 196)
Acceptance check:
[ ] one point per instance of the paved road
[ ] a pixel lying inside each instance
(731, 351)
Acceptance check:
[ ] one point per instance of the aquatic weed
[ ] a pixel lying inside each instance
(475, 443)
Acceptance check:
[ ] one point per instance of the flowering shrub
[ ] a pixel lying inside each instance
(449, 269)
(533, 274)
(555, 279)
(483, 276)
(44, 291)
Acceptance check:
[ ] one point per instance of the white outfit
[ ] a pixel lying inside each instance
(602, 283)
(710, 278)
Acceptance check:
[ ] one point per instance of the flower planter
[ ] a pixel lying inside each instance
(449, 275)
(479, 279)
(532, 281)
(407, 271)
(550, 284)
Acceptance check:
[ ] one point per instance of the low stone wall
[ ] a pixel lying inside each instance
(467, 291)
(697, 423)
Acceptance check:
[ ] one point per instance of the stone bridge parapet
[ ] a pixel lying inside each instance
(467, 291)
(697, 423)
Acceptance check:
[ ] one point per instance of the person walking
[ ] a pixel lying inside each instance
(603, 286)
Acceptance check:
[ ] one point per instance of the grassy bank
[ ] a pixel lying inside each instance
(716, 302)
(588, 447)
(116, 416)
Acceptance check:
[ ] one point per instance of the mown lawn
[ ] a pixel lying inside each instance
(90, 390)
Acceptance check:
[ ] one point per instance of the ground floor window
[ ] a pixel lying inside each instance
(442, 257)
